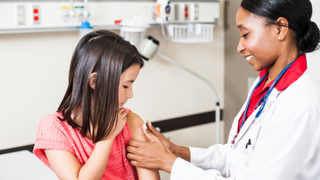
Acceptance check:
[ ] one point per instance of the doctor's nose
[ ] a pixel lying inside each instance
(240, 47)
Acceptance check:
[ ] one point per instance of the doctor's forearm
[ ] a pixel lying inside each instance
(182, 152)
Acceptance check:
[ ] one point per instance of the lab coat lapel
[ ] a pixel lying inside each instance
(246, 125)
(234, 128)
(252, 119)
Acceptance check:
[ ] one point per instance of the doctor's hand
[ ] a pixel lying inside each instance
(179, 151)
(172, 147)
(151, 155)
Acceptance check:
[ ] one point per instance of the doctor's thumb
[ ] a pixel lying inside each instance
(149, 135)
(152, 128)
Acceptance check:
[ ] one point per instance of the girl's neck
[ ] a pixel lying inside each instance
(76, 115)
(77, 119)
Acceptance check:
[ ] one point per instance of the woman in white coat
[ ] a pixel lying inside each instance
(276, 134)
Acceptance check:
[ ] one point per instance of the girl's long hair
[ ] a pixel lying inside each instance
(108, 55)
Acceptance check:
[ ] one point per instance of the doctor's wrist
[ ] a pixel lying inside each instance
(174, 149)
(168, 163)
(182, 152)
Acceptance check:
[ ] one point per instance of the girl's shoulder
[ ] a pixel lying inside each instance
(135, 122)
(53, 129)
(52, 134)
(52, 122)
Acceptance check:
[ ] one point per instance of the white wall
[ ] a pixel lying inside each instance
(314, 58)
(34, 70)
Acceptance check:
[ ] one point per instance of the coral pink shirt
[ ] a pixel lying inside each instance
(59, 135)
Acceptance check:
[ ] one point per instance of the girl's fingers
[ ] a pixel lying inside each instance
(121, 110)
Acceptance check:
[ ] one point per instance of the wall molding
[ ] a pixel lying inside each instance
(27, 147)
(186, 121)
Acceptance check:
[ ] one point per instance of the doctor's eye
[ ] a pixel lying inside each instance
(125, 87)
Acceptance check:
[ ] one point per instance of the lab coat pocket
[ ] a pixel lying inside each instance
(247, 152)
(250, 145)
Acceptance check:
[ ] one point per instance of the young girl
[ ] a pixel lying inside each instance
(86, 138)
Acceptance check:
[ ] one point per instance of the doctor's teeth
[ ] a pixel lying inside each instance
(249, 57)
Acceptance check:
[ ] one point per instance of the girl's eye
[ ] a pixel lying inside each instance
(245, 35)
(125, 87)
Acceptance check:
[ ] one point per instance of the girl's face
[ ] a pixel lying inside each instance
(126, 81)
(258, 42)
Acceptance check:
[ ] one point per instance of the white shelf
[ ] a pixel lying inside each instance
(65, 29)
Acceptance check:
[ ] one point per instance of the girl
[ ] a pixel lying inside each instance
(276, 134)
(87, 136)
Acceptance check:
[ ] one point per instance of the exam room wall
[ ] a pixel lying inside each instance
(34, 68)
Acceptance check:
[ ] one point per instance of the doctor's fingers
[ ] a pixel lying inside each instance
(143, 159)
(146, 165)
(162, 138)
(137, 143)
(138, 155)
(145, 150)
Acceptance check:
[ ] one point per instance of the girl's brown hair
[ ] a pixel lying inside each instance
(107, 54)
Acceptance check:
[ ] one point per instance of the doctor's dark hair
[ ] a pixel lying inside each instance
(297, 12)
(108, 55)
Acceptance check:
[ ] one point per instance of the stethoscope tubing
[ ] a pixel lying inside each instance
(265, 97)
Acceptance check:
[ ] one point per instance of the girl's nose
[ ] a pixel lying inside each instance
(130, 94)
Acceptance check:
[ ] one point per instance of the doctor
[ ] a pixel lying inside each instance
(276, 134)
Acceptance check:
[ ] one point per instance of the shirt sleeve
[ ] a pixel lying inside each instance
(205, 164)
(212, 158)
(183, 170)
(50, 135)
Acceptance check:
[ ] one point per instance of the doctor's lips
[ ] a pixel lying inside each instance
(249, 57)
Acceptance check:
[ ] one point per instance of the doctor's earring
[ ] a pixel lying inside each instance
(279, 38)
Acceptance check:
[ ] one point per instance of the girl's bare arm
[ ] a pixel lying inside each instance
(135, 122)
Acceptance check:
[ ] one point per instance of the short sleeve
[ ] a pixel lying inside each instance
(53, 135)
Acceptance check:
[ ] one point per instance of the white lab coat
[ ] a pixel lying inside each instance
(285, 141)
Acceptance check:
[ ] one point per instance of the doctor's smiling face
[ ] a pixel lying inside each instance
(258, 41)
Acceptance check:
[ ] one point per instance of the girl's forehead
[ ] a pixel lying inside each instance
(131, 73)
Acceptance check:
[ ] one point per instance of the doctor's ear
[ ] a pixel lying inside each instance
(282, 28)
(92, 80)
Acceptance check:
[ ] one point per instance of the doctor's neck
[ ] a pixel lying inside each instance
(289, 53)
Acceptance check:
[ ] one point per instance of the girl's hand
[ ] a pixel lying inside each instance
(121, 121)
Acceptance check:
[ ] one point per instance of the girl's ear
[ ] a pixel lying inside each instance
(92, 80)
